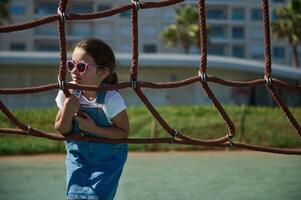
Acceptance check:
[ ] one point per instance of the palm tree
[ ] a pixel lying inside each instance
(185, 31)
(288, 26)
(4, 14)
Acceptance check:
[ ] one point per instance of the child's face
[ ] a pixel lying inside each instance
(83, 68)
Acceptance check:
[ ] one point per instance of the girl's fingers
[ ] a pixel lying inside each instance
(74, 99)
(87, 116)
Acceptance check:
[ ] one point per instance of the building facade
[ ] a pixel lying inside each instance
(30, 69)
(236, 26)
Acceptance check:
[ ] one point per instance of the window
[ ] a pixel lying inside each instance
(125, 30)
(256, 32)
(216, 14)
(80, 8)
(149, 30)
(238, 14)
(46, 8)
(279, 52)
(125, 48)
(81, 29)
(104, 30)
(168, 15)
(218, 32)
(256, 14)
(47, 46)
(257, 52)
(47, 29)
(149, 13)
(17, 10)
(17, 47)
(238, 51)
(194, 50)
(149, 48)
(102, 7)
(125, 14)
(216, 49)
(238, 33)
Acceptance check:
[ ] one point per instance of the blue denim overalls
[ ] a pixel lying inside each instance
(94, 169)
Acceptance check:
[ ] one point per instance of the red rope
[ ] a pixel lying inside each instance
(267, 39)
(175, 137)
(203, 37)
(134, 22)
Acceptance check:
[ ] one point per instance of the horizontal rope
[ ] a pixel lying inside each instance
(85, 16)
(59, 137)
(151, 85)
(28, 25)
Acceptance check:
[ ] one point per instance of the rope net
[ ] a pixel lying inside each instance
(177, 137)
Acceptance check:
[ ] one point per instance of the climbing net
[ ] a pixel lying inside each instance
(203, 78)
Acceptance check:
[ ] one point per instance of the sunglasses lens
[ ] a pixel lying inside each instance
(70, 65)
(81, 67)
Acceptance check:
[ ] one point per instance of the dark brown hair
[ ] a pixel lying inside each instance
(102, 55)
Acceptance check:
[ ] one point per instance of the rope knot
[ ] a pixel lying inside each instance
(29, 130)
(137, 4)
(229, 136)
(61, 84)
(62, 15)
(268, 81)
(202, 76)
(134, 83)
(174, 135)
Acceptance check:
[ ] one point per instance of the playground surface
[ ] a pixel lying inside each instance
(205, 175)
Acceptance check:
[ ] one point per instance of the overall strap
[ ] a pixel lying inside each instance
(77, 93)
(101, 97)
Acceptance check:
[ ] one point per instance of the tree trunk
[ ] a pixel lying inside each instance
(295, 60)
(186, 50)
(186, 47)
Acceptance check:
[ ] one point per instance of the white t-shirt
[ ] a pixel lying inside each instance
(113, 103)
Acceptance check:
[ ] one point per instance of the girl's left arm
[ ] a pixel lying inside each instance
(119, 130)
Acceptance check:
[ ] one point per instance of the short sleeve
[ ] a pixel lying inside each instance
(60, 99)
(115, 104)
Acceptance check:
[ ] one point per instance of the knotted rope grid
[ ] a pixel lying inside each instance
(61, 17)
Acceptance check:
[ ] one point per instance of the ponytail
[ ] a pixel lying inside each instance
(112, 79)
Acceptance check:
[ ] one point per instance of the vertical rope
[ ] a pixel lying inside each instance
(203, 66)
(11, 118)
(63, 5)
(134, 23)
(284, 108)
(220, 109)
(267, 38)
(203, 36)
(62, 44)
(150, 107)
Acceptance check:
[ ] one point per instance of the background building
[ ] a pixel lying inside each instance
(31, 58)
(26, 69)
(236, 28)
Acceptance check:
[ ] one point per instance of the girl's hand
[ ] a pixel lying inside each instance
(71, 104)
(87, 124)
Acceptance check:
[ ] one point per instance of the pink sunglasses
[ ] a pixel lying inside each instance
(81, 66)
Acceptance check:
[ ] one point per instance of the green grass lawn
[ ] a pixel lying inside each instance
(261, 126)
(166, 176)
